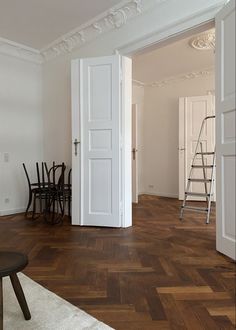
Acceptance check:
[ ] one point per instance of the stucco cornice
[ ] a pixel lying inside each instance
(113, 19)
(176, 79)
(11, 48)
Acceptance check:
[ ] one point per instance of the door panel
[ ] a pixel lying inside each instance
(97, 85)
(101, 109)
(199, 108)
(100, 143)
(192, 111)
(99, 91)
(225, 130)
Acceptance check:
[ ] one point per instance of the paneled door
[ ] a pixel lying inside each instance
(225, 130)
(192, 111)
(101, 109)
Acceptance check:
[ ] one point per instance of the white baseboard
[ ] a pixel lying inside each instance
(12, 211)
(159, 194)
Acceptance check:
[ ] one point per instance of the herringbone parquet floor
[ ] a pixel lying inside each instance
(159, 274)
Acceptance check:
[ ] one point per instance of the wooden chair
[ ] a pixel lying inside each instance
(68, 192)
(37, 190)
(55, 201)
(10, 264)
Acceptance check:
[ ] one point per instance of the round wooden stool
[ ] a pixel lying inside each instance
(10, 264)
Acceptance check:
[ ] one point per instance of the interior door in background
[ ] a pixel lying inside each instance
(192, 111)
(134, 153)
(225, 130)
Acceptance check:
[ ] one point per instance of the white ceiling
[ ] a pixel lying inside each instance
(169, 61)
(37, 23)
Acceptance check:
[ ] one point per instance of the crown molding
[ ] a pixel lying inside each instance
(114, 18)
(138, 83)
(11, 48)
(204, 41)
(179, 78)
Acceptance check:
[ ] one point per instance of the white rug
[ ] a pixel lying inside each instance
(48, 311)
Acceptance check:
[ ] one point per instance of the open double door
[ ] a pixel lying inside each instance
(101, 134)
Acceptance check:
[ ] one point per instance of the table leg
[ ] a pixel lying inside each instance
(20, 296)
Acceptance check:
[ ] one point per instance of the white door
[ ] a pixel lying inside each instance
(192, 111)
(98, 124)
(225, 130)
(134, 153)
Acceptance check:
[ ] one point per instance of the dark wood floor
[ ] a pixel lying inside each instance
(159, 274)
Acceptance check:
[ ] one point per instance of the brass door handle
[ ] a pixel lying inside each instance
(76, 142)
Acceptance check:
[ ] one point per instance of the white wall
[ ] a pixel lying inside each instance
(20, 128)
(161, 133)
(56, 73)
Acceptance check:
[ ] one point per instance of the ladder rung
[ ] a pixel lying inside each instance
(197, 194)
(199, 180)
(202, 166)
(205, 153)
(194, 208)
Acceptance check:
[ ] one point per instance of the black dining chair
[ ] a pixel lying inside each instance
(56, 198)
(37, 190)
(68, 192)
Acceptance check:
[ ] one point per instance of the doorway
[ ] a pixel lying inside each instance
(225, 119)
(225, 114)
(173, 95)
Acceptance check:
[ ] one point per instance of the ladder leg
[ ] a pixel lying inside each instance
(184, 202)
(204, 172)
(182, 210)
(211, 191)
(208, 212)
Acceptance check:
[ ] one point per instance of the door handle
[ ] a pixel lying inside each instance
(181, 149)
(134, 153)
(76, 142)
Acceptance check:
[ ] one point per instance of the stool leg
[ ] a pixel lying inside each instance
(20, 296)
(1, 305)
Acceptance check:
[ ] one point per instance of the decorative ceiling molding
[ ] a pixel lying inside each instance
(110, 20)
(114, 18)
(138, 83)
(11, 48)
(171, 80)
(204, 41)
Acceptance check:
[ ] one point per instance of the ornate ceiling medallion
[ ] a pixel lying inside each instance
(205, 41)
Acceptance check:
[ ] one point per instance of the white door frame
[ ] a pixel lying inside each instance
(135, 153)
(200, 22)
